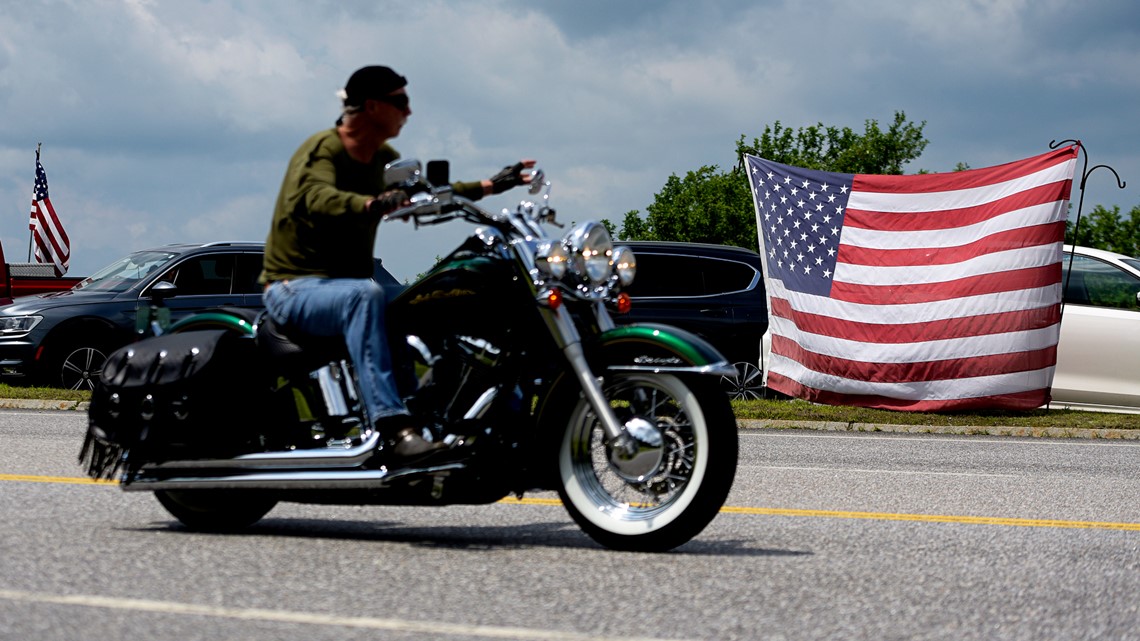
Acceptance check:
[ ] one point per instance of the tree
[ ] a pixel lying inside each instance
(833, 149)
(713, 206)
(1106, 229)
(706, 206)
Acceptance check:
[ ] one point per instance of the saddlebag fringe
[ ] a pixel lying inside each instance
(101, 458)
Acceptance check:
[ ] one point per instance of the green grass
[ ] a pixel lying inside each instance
(797, 410)
(42, 393)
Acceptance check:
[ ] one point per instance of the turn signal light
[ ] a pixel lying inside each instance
(554, 298)
(624, 302)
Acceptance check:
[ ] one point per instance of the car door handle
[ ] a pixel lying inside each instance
(715, 313)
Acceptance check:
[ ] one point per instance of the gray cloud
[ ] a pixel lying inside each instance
(165, 121)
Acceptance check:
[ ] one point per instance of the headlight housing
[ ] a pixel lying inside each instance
(592, 242)
(585, 261)
(625, 265)
(552, 258)
(16, 325)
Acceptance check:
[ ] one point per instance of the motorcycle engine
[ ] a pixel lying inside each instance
(460, 369)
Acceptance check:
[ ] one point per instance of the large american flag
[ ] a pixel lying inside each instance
(48, 236)
(921, 292)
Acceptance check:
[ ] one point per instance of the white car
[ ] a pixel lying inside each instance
(1098, 355)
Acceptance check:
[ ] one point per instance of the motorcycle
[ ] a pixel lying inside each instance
(512, 359)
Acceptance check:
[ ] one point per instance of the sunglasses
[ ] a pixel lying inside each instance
(398, 100)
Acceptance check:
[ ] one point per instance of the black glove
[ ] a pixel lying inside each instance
(510, 176)
(387, 202)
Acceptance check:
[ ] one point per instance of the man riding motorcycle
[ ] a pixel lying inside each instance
(318, 254)
(519, 365)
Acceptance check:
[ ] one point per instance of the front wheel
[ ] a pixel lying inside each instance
(680, 476)
(215, 510)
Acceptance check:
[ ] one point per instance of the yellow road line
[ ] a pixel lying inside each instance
(887, 516)
(74, 480)
(935, 518)
(761, 511)
(526, 501)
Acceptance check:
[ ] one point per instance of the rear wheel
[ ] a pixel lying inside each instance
(215, 510)
(675, 483)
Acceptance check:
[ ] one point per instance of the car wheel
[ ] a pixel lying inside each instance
(747, 384)
(78, 366)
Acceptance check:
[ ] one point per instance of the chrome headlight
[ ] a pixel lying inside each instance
(625, 264)
(552, 258)
(592, 242)
(10, 325)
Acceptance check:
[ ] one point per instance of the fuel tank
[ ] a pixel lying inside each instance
(472, 291)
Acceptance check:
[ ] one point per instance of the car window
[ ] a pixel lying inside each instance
(660, 275)
(121, 275)
(203, 275)
(248, 271)
(1095, 282)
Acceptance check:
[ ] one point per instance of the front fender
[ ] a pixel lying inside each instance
(652, 347)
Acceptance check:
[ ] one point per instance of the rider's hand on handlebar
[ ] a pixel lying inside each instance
(387, 202)
(511, 176)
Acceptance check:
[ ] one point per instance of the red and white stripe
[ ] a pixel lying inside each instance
(49, 238)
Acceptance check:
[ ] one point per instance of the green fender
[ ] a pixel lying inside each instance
(652, 347)
(212, 320)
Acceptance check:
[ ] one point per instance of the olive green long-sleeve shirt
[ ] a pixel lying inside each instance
(321, 225)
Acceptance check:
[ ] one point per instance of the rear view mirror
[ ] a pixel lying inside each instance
(162, 290)
(537, 181)
(406, 171)
(438, 173)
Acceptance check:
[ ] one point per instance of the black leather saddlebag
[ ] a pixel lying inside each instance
(190, 395)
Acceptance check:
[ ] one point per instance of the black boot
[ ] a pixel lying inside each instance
(409, 446)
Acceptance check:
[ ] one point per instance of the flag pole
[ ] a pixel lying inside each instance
(31, 232)
(1085, 171)
(1084, 178)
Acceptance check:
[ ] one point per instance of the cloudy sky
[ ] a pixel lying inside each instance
(166, 121)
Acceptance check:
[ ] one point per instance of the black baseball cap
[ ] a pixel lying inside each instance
(370, 82)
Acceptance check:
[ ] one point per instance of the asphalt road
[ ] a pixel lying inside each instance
(826, 536)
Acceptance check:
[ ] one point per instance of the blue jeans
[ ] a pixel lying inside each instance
(349, 307)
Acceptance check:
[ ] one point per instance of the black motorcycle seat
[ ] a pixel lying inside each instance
(294, 349)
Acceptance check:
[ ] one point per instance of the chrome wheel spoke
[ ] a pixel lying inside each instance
(656, 492)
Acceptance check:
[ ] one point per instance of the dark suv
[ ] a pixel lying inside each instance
(714, 291)
(61, 339)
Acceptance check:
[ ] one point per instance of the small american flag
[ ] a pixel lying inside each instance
(51, 242)
(921, 292)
